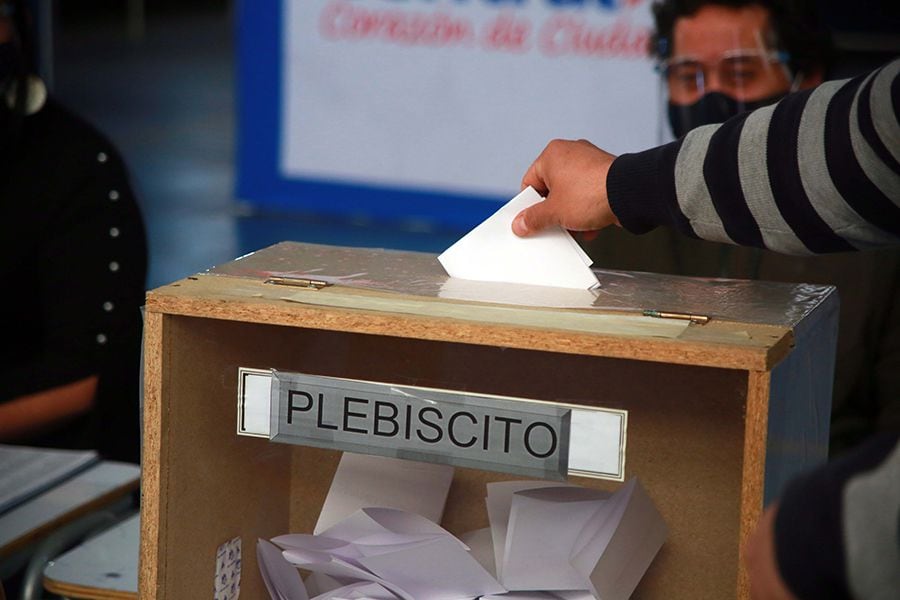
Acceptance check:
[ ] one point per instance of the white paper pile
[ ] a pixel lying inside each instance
(546, 540)
(396, 554)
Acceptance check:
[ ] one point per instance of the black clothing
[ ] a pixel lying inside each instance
(73, 264)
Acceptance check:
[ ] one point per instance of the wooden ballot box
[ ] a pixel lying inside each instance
(727, 395)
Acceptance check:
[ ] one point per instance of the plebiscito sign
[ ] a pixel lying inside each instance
(500, 433)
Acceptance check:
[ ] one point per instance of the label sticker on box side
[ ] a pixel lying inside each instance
(227, 585)
(515, 435)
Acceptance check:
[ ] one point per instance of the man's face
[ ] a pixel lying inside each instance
(726, 50)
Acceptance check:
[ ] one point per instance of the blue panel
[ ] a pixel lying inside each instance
(259, 181)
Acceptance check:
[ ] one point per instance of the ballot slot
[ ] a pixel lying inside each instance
(508, 434)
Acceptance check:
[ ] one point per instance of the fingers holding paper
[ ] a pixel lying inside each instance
(572, 176)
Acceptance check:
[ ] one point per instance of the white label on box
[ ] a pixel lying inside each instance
(596, 444)
(254, 392)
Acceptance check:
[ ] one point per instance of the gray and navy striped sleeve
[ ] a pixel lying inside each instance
(837, 529)
(818, 172)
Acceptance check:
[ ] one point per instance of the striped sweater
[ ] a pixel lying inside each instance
(817, 172)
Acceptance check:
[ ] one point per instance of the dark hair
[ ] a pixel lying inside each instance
(795, 23)
(20, 16)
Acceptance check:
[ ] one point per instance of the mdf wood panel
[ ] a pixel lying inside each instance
(685, 442)
(716, 414)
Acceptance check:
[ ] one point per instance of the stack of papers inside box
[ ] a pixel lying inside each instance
(545, 540)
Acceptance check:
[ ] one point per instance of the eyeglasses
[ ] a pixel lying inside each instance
(743, 73)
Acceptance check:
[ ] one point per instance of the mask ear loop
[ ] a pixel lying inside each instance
(662, 115)
(662, 96)
(796, 80)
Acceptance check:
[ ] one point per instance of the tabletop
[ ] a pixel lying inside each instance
(105, 566)
(87, 491)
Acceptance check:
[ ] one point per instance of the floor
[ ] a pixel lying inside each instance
(166, 97)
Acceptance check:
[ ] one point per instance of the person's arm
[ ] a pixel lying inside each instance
(835, 532)
(817, 172)
(34, 414)
(77, 248)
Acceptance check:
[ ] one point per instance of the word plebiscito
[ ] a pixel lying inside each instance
(387, 415)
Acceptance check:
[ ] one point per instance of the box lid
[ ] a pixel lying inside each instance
(408, 294)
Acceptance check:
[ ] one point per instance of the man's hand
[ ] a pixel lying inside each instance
(572, 177)
(766, 582)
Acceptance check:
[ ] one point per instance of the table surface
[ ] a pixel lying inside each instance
(87, 491)
(105, 566)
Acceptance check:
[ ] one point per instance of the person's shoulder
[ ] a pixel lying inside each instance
(66, 122)
(60, 127)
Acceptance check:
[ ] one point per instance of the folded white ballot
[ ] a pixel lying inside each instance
(492, 252)
(481, 547)
(499, 502)
(567, 539)
(363, 480)
(280, 577)
(544, 526)
(357, 591)
(568, 595)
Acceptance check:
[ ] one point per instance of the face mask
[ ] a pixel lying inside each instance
(714, 107)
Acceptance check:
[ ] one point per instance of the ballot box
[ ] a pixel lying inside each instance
(721, 388)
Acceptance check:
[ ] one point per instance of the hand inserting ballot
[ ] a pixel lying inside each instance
(572, 177)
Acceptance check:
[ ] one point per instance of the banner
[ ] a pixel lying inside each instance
(432, 110)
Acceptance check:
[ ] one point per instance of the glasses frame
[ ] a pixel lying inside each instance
(664, 67)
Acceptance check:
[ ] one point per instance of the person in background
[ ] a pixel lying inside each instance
(817, 172)
(73, 262)
(718, 59)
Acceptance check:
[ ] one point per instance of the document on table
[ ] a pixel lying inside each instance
(492, 252)
(26, 472)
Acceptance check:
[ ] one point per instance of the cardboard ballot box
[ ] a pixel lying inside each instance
(721, 403)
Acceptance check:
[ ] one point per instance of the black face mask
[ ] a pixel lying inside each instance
(714, 107)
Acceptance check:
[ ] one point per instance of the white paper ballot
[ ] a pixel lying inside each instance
(437, 569)
(492, 252)
(568, 595)
(481, 546)
(544, 525)
(282, 579)
(319, 583)
(573, 542)
(635, 533)
(499, 502)
(364, 481)
(403, 552)
(358, 591)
